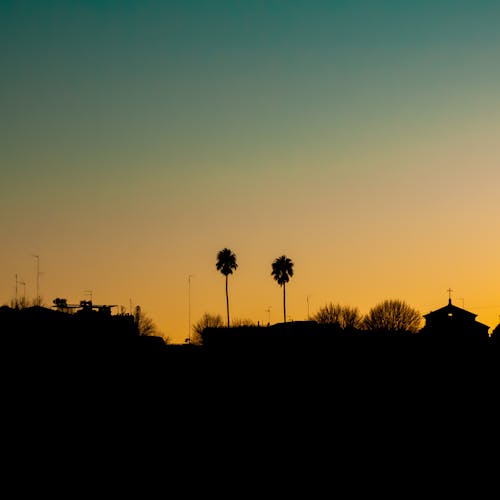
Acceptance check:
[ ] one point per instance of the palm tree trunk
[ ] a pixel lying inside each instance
(227, 304)
(284, 304)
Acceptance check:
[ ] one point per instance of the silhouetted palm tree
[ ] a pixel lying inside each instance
(226, 264)
(282, 272)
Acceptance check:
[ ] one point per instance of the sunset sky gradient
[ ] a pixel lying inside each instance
(359, 138)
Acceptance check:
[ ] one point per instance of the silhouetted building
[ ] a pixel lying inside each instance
(452, 323)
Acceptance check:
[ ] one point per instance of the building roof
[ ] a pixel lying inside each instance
(451, 310)
(454, 313)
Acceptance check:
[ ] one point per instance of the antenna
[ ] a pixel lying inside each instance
(268, 311)
(24, 292)
(189, 308)
(37, 299)
(89, 293)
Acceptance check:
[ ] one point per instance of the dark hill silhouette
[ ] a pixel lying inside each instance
(300, 350)
(326, 350)
(41, 330)
(294, 384)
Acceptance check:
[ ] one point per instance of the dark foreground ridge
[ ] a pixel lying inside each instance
(283, 393)
(45, 338)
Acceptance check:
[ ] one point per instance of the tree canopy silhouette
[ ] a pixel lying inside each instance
(343, 316)
(144, 324)
(226, 264)
(392, 316)
(282, 272)
(206, 321)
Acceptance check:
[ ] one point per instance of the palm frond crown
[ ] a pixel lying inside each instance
(226, 261)
(282, 269)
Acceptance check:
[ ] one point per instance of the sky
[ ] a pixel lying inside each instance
(358, 138)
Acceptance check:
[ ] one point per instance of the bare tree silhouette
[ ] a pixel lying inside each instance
(282, 272)
(392, 316)
(226, 264)
(343, 316)
(144, 324)
(243, 322)
(206, 321)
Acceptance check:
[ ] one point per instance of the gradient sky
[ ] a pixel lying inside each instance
(359, 138)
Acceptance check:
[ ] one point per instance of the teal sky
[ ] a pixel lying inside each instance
(137, 138)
